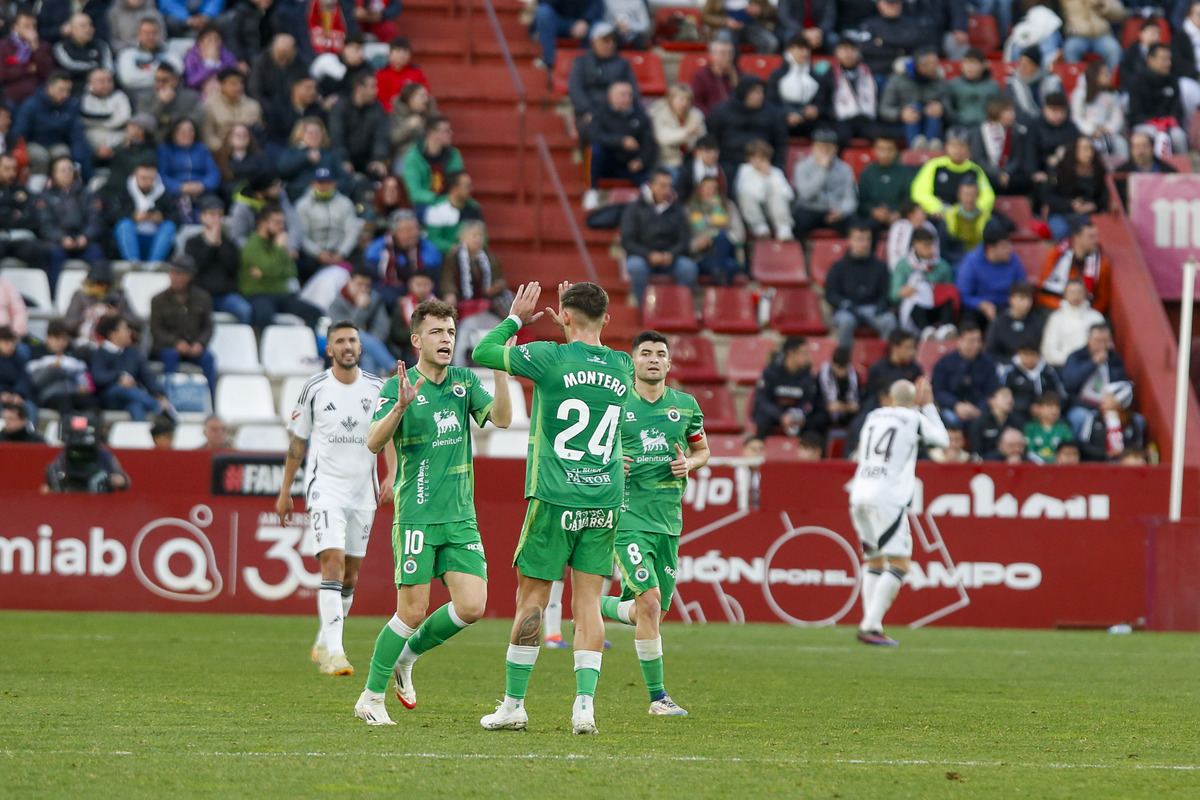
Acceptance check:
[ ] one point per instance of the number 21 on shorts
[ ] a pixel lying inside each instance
(414, 542)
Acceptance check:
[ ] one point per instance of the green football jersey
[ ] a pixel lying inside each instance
(649, 434)
(435, 477)
(579, 392)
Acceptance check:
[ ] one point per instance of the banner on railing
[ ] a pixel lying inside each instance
(1165, 213)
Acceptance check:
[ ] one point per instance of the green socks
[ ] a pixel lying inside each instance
(649, 653)
(387, 649)
(518, 666)
(587, 671)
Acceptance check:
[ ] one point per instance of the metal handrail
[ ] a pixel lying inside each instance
(518, 85)
(551, 171)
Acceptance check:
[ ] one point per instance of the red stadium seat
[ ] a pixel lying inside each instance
(779, 263)
(951, 69)
(1133, 27)
(688, 66)
(858, 160)
(929, 352)
(781, 448)
(797, 312)
(824, 253)
(720, 411)
(562, 69)
(820, 349)
(666, 26)
(693, 360)
(796, 153)
(1181, 162)
(748, 356)
(648, 69)
(916, 158)
(1001, 70)
(725, 445)
(1069, 74)
(1032, 255)
(1019, 210)
(866, 352)
(984, 33)
(670, 309)
(731, 309)
(762, 66)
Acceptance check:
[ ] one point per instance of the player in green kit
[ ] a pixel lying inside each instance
(659, 425)
(426, 413)
(574, 482)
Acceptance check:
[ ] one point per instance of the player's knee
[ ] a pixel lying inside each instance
(471, 609)
(649, 603)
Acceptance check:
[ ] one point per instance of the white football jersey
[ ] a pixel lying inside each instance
(887, 453)
(335, 418)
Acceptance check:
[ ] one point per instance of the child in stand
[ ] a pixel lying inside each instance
(1046, 431)
(923, 288)
(760, 186)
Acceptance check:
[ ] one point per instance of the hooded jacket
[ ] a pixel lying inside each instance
(981, 280)
(329, 224)
(124, 21)
(911, 88)
(40, 120)
(590, 78)
(735, 125)
(645, 230)
(1028, 385)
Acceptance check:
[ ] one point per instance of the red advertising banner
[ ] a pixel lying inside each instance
(994, 545)
(1165, 213)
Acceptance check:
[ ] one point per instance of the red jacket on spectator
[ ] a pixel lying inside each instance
(710, 89)
(391, 81)
(326, 27)
(17, 81)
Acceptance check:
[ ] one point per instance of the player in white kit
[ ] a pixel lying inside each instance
(342, 489)
(881, 492)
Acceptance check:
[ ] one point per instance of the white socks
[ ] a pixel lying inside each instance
(329, 609)
(623, 609)
(399, 628)
(347, 595)
(648, 649)
(870, 579)
(881, 599)
(552, 616)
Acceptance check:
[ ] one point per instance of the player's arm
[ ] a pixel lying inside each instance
(384, 428)
(933, 430)
(491, 351)
(501, 413)
(389, 458)
(297, 448)
(696, 457)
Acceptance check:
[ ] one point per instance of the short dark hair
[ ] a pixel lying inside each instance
(995, 234)
(1048, 398)
(841, 356)
(230, 72)
(975, 54)
(22, 412)
(797, 40)
(58, 75)
(859, 224)
(996, 106)
(1066, 443)
(361, 78)
(1021, 287)
(707, 142)
(453, 178)
(339, 325)
(265, 212)
(1029, 345)
(814, 440)
(922, 235)
(1153, 49)
(660, 171)
(108, 325)
(969, 325)
(1057, 99)
(1100, 326)
(435, 120)
(794, 343)
(588, 299)
(6, 333)
(431, 308)
(907, 206)
(648, 336)
(1078, 222)
(164, 66)
(362, 272)
(400, 43)
(1153, 20)
(899, 337)
(58, 327)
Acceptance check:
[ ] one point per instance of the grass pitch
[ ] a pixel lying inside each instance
(176, 706)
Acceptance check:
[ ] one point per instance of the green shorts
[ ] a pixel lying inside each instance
(647, 560)
(555, 537)
(426, 551)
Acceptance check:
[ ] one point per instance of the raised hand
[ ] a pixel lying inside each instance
(924, 392)
(526, 301)
(557, 316)
(681, 466)
(406, 392)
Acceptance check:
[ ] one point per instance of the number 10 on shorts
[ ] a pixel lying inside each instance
(414, 542)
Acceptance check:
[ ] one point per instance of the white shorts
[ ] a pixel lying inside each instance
(882, 529)
(346, 529)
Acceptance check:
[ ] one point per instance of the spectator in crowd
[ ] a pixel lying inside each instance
(1087, 25)
(358, 125)
(96, 298)
(1020, 322)
(631, 18)
(971, 91)
(1142, 158)
(811, 447)
(13, 312)
(172, 100)
(1046, 432)
(1080, 187)
(986, 274)
(937, 181)
(216, 256)
(853, 95)
(787, 396)
(1029, 377)
(564, 18)
(69, 218)
(655, 236)
(473, 274)
(248, 28)
(50, 123)
(899, 236)
(144, 217)
(309, 151)
(216, 436)
(857, 288)
(945, 23)
(678, 125)
(717, 233)
(1113, 432)
(795, 89)
(922, 287)
(1030, 85)
(427, 164)
(401, 253)
(14, 376)
(263, 190)
(162, 432)
(955, 452)
(964, 378)
(25, 60)
(239, 159)
(898, 365)
(444, 221)
(186, 166)
(1184, 42)
(888, 36)
(411, 113)
(1068, 453)
(826, 196)
(983, 432)
(838, 382)
(704, 162)
(184, 17)
(622, 140)
(181, 323)
(964, 221)
(207, 59)
(764, 194)
(399, 342)
(266, 271)
(335, 72)
(746, 23)
(713, 83)
(59, 378)
(1095, 378)
(390, 197)
(1011, 449)
(275, 71)
(1135, 55)
(816, 20)
(378, 18)
(80, 51)
(330, 224)
(104, 110)
(744, 118)
(596, 70)
(1155, 106)
(1080, 256)
(1050, 137)
(137, 65)
(125, 17)
(16, 428)
(359, 304)
(18, 215)
(994, 146)
(398, 73)
(883, 185)
(122, 374)
(229, 106)
(917, 99)
(1067, 326)
(1098, 111)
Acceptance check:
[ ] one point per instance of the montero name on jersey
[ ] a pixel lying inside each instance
(587, 377)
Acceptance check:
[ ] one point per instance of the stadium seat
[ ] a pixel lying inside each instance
(1181, 162)
(562, 69)
(824, 253)
(776, 263)
(748, 356)
(33, 285)
(245, 399)
(820, 349)
(128, 435)
(725, 445)
(720, 411)
(782, 449)
(730, 309)
(648, 69)
(51, 433)
(858, 159)
(189, 393)
(795, 154)
(670, 309)
(984, 33)
(1001, 70)
(866, 352)
(289, 350)
(235, 349)
(141, 287)
(759, 65)
(693, 360)
(1033, 256)
(188, 436)
(289, 393)
(507, 444)
(688, 65)
(797, 312)
(1069, 74)
(1018, 209)
(271, 438)
(69, 281)
(1133, 27)
(950, 69)
(917, 158)
(929, 352)
(666, 26)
